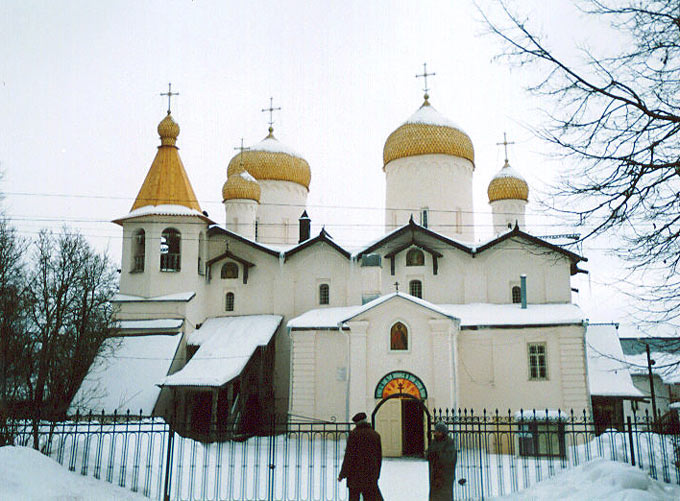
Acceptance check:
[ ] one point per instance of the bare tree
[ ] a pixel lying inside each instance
(616, 119)
(12, 324)
(68, 293)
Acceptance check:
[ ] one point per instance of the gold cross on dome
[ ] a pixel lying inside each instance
(505, 144)
(424, 77)
(169, 94)
(241, 149)
(271, 111)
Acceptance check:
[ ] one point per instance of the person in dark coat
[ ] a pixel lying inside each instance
(441, 458)
(363, 458)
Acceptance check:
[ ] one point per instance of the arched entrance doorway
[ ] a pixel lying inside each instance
(401, 417)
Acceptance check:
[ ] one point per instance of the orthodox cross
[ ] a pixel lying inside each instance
(169, 94)
(271, 111)
(241, 149)
(396, 286)
(424, 77)
(505, 144)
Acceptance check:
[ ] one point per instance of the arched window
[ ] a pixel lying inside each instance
(516, 294)
(229, 270)
(139, 251)
(171, 259)
(398, 337)
(415, 288)
(229, 302)
(415, 257)
(324, 294)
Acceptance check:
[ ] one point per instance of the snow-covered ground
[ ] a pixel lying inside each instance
(25, 474)
(601, 480)
(28, 475)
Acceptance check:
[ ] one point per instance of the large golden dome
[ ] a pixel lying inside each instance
(271, 160)
(428, 132)
(508, 184)
(241, 185)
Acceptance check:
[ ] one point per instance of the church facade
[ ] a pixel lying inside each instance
(271, 320)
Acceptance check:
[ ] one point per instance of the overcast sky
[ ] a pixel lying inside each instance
(79, 103)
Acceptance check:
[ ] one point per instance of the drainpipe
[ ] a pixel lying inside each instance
(523, 287)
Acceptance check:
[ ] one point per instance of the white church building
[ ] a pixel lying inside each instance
(255, 317)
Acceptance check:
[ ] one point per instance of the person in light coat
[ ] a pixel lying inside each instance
(441, 458)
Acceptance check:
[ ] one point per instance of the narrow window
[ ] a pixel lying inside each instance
(424, 213)
(229, 270)
(459, 221)
(415, 257)
(257, 229)
(538, 368)
(398, 337)
(415, 288)
(516, 294)
(229, 302)
(170, 250)
(139, 246)
(200, 253)
(324, 294)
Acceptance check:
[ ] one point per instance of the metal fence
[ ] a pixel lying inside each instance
(497, 454)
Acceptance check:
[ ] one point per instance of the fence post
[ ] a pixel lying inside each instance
(630, 438)
(168, 465)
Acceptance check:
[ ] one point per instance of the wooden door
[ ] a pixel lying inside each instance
(388, 424)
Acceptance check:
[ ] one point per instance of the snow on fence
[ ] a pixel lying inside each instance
(497, 454)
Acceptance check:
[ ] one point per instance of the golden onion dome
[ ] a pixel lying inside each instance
(271, 160)
(241, 186)
(428, 132)
(508, 184)
(168, 129)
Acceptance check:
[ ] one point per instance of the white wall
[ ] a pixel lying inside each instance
(441, 183)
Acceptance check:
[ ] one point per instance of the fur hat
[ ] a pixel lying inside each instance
(441, 428)
(361, 416)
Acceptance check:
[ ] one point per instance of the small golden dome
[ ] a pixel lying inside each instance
(427, 132)
(508, 184)
(241, 186)
(168, 129)
(270, 160)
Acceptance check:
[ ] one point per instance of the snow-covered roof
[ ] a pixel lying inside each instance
(225, 346)
(272, 145)
(667, 365)
(429, 115)
(178, 297)
(470, 315)
(166, 324)
(163, 210)
(508, 171)
(608, 373)
(125, 373)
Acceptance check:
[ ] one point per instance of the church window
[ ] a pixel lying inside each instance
(229, 270)
(399, 337)
(516, 294)
(415, 288)
(424, 213)
(538, 368)
(324, 294)
(415, 257)
(171, 240)
(201, 245)
(139, 246)
(257, 229)
(229, 302)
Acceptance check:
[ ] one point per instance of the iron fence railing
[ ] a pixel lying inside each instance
(497, 454)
